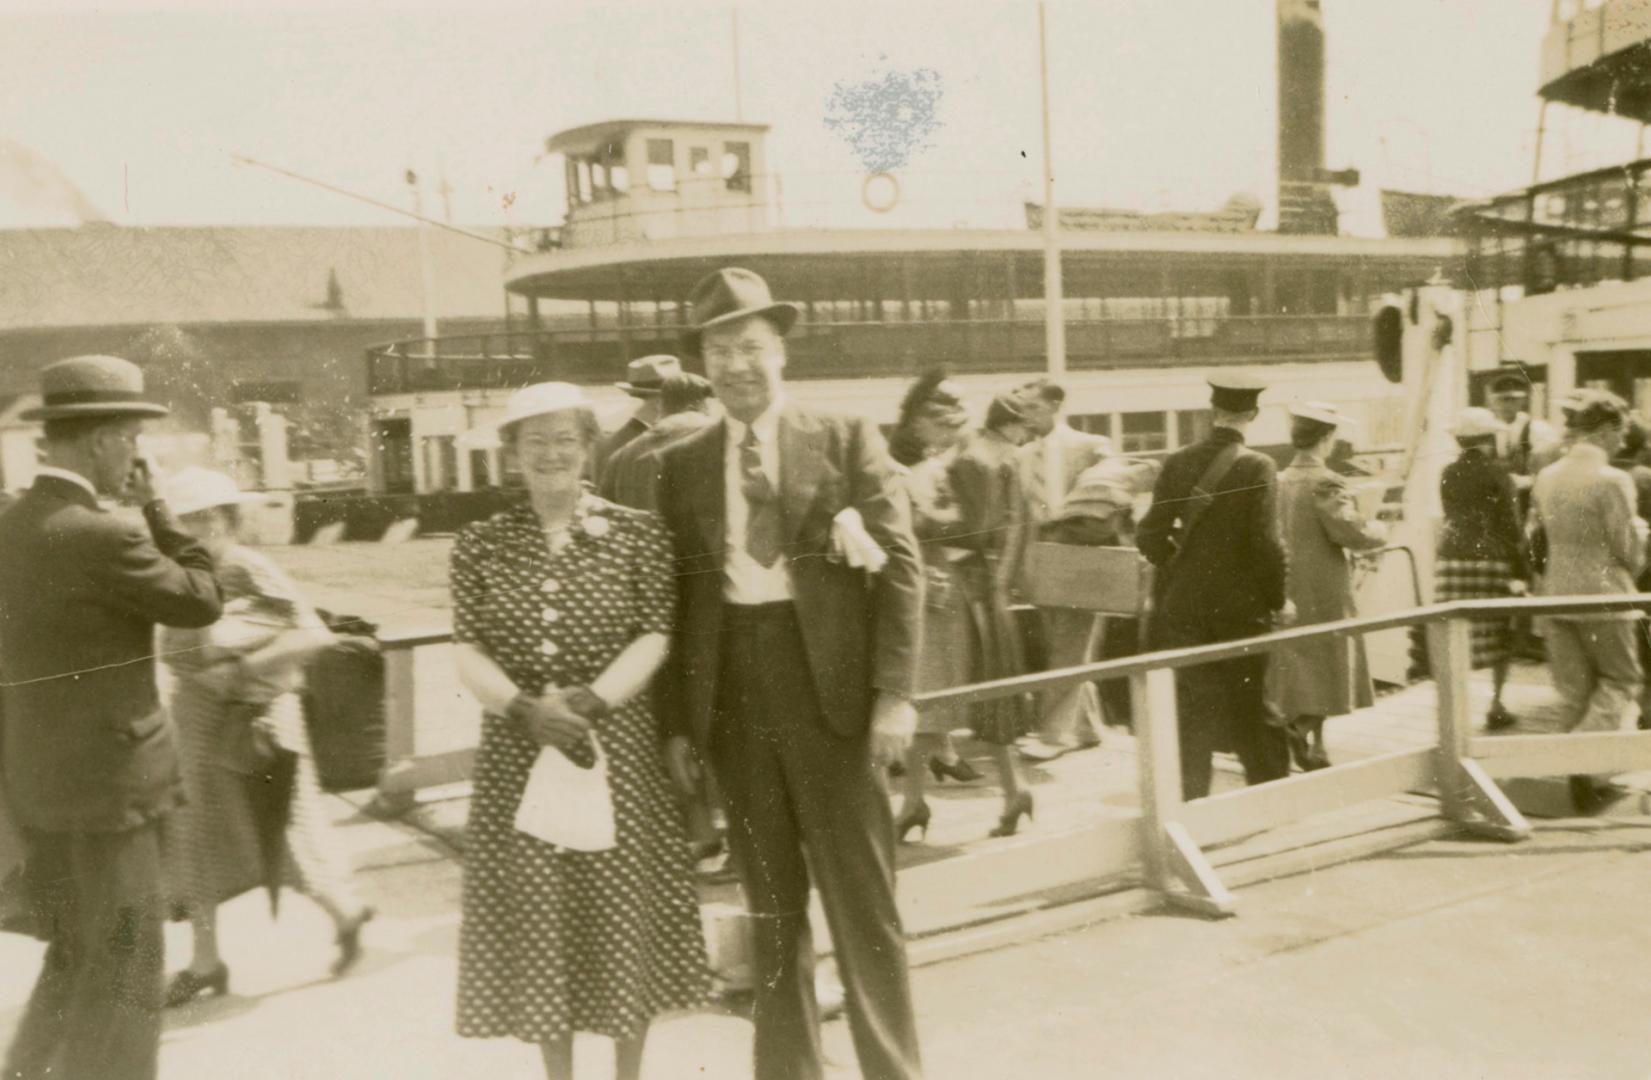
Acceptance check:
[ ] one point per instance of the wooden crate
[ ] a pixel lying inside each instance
(1114, 580)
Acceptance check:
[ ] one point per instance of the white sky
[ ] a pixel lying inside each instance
(1155, 105)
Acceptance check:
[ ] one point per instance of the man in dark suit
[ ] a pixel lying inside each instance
(89, 760)
(1220, 579)
(790, 673)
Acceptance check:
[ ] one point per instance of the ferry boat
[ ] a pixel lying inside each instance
(1152, 303)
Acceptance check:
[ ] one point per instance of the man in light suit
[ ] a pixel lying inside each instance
(1049, 468)
(1596, 546)
(790, 673)
(90, 764)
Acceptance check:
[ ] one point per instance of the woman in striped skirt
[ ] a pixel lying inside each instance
(1481, 551)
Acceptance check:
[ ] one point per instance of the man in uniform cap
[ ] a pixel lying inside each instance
(1509, 396)
(644, 378)
(791, 675)
(1213, 534)
(90, 764)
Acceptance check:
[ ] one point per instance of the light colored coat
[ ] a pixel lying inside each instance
(1076, 451)
(1596, 544)
(1321, 525)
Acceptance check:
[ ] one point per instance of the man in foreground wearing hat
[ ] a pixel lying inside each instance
(790, 673)
(89, 759)
(1322, 526)
(1509, 398)
(1213, 535)
(643, 380)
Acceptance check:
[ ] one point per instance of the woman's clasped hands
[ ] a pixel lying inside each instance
(549, 720)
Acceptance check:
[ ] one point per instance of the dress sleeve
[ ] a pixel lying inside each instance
(272, 592)
(652, 578)
(465, 582)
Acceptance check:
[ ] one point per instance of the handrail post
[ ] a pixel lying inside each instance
(1450, 648)
(1174, 867)
(1158, 759)
(1468, 795)
(394, 799)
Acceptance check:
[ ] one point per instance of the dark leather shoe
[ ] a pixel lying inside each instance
(186, 985)
(349, 941)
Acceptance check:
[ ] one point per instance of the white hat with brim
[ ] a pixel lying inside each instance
(1321, 411)
(541, 399)
(1476, 423)
(194, 489)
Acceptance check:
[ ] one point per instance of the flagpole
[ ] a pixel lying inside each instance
(426, 270)
(1054, 320)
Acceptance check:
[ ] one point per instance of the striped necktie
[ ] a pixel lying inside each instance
(762, 522)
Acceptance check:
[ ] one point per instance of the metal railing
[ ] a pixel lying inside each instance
(1164, 839)
(856, 349)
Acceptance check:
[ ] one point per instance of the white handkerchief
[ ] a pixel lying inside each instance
(566, 805)
(853, 544)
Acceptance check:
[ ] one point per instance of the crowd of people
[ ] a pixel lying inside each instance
(706, 629)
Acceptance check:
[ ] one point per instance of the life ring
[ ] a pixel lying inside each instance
(880, 192)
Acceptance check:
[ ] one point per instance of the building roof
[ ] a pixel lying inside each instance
(589, 136)
(108, 275)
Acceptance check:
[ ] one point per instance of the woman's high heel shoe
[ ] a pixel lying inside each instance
(187, 985)
(1009, 823)
(915, 818)
(958, 770)
(349, 941)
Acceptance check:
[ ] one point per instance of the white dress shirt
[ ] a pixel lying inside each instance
(746, 581)
(66, 474)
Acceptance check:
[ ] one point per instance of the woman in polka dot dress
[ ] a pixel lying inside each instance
(561, 611)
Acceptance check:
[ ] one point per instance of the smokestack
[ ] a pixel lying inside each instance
(1304, 202)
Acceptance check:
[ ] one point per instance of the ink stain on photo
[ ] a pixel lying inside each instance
(886, 119)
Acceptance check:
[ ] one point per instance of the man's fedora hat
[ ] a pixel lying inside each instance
(92, 386)
(645, 377)
(730, 294)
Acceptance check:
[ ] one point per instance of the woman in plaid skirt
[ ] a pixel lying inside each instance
(1481, 547)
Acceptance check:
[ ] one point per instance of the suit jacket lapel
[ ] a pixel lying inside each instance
(803, 468)
(710, 497)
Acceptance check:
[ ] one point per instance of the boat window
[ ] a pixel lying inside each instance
(1144, 432)
(583, 168)
(1192, 426)
(661, 165)
(1092, 423)
(699, 160)
(736, 165)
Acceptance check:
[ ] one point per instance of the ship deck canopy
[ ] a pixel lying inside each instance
(940, 264)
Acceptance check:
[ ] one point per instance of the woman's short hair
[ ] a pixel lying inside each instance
(1596, 410)
(590, 431)
(1306, 433)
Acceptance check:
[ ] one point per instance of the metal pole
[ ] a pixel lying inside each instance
(1053, 318)
(426, 271)
(739, 110)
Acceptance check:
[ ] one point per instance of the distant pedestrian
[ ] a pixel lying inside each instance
(91, 765)
(1585, 509)
(1481, 553)
(1050, 465)
(1212, 532)
(631, 477)
(1322, 527)
(643, 380)
(254, 814)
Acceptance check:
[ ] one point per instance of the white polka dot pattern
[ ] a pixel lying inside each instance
(555, 941)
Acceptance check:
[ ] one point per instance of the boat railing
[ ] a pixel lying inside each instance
(891, 347)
